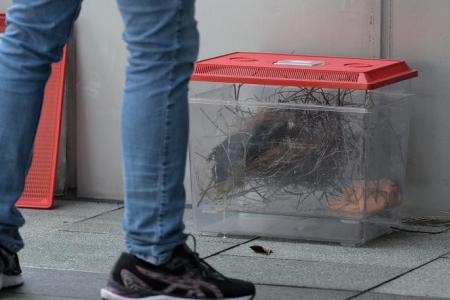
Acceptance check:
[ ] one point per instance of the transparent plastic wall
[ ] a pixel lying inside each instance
(293, 162)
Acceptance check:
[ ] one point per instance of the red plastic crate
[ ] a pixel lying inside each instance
(303, 70)
(2, 22)
(41, 179)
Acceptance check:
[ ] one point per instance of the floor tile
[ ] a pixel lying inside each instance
(9, 296)
(107, 223)
(90, 252)
(56, 283)
(65, 212)
(82, 209)
(111, 224)
(431, 280)
(207, 246)
(375, 296)
(403, 250)
(266, 292)
(326, 275)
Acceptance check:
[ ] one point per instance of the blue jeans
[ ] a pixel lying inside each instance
(162, 40)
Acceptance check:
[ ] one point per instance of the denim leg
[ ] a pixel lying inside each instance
(36, 33)
(162, 41)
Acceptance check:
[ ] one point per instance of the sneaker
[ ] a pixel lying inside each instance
(10, 272)
(185, 276)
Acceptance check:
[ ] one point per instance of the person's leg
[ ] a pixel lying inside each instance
(35, 35)
(162, 40)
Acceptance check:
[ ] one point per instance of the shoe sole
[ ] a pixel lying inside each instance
(10, 281)
(108, 295)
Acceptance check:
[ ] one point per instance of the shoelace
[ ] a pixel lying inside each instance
(206, 269)
(194, 240)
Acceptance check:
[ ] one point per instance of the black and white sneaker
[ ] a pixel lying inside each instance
(10, 272)
(185, 276)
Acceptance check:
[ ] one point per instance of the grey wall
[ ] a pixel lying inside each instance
(101, 59)
(4, 4)
(420, 32)
(347, 27)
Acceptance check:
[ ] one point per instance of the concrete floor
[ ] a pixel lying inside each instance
(71, 248)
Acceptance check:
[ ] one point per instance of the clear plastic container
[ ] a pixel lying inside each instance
(299, 163)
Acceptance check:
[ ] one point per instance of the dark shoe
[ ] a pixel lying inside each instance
(185, 276)
(10, 272)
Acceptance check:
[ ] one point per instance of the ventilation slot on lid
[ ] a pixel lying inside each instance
(302, 70)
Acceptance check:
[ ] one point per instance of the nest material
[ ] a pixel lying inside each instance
(294, 147)
(293, 152)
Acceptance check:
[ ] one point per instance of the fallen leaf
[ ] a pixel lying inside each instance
(261, 250)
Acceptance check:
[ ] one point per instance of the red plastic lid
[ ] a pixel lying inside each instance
(303, 70)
